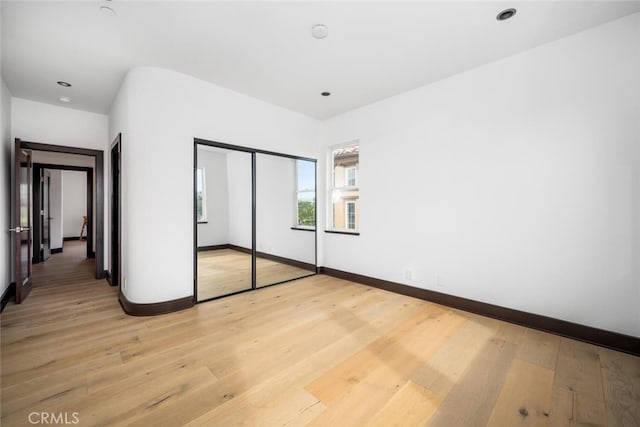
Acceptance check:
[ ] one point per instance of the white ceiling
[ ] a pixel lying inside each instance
(264, 49)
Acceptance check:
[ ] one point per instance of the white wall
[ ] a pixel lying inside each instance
(159, 113)
(51, 124)
(55, 208)
(5, 187)
(276, 211)
(74, 202)
(216, 230)
(516, 183)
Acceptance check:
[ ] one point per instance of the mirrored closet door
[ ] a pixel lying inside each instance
(255, 217)
(223, 214)
(285, 222)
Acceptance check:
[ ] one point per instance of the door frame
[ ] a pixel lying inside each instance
(99, 184)
(38, 170)
(115, 215)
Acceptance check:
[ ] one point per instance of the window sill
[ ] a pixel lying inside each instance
(303, 228)
(352, 233)
(203, 222)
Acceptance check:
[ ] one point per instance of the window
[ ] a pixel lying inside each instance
(350, 174)
(201, 196)
(351, 215)
(345, 192)
(305, 194)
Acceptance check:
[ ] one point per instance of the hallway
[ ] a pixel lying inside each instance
(66, 268)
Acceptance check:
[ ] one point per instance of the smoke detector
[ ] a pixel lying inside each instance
(319, 31)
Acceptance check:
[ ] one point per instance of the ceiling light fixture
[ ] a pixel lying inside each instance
(64, 99)
(325, 93)
(107, 10)
(319, 31)
(506, 14)
(64, 84)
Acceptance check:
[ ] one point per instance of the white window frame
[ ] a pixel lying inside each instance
(203, 175)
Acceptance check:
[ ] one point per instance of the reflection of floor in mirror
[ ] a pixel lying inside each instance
(225, 271)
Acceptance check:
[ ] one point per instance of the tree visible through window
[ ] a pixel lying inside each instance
(201, 197)
(345, 192)
(305, 193)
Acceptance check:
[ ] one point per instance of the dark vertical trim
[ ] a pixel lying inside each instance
(99, 172)
(115, 213)
(253, 222)
(195, 222)
(99, 214)
(46, 215)
(89, 214)
(36, 226)
(89, 211)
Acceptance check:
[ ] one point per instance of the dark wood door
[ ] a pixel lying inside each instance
(46, 215)
(23, 220)
(114, 217)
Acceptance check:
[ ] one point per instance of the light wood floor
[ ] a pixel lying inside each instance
(225, 271)
(317, 351)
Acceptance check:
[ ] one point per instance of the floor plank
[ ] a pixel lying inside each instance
(621, 378)
(525, 397)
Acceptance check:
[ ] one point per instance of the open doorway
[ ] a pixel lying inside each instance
(63, 203)
(86, 226)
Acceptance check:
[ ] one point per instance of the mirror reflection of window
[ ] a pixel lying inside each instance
(201, 196)
(305, 194)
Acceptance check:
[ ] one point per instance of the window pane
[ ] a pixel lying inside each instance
(351, 177)
(305, 193)
(307, 208)
(351, 215)
(306, 175)
(345, 192)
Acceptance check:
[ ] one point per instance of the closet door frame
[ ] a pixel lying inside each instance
(253, 152)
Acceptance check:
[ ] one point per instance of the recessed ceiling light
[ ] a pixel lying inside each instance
(319, 31)
(64, 99)
(325, 93)
(506, 14)
(64, 84)
(107, 10)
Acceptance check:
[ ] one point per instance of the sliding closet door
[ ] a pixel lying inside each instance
(285, 219)
(223, 210)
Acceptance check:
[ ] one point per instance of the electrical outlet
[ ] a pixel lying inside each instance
(439, 283)
(408, 274)
(124, 284)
